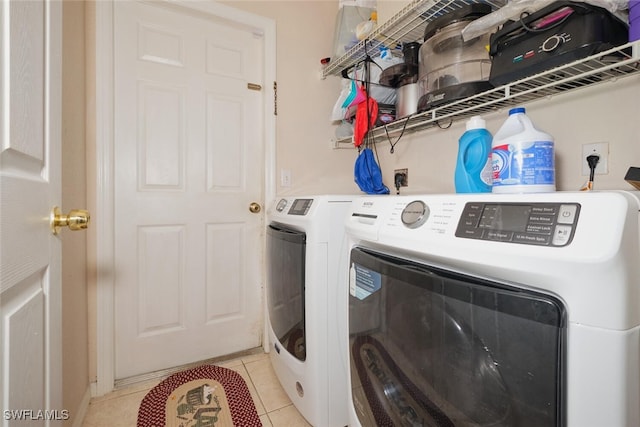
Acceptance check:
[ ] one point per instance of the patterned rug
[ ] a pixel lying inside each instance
(206, 396)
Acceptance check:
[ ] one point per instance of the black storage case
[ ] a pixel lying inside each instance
(518, 52)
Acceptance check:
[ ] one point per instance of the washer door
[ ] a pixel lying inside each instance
(286, 251)
(434, 347)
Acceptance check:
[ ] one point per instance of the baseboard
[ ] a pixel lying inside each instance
(81, 411)
(162, 374)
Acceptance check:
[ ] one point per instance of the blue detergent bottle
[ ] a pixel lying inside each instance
(473, 169)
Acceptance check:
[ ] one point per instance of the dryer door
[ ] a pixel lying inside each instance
(286, 252)
(434, 347)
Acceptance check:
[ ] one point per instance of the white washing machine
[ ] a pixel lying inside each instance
(494, 310)
(305, 238)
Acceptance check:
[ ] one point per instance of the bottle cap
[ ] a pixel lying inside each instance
(516, 110)
(476, 122)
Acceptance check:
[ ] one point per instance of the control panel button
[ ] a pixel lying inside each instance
(541, 219)
(567, 214)
(552, 43)
(470, 233)
(502, 236)
(281, 205)
(531, 239)
(473, 207)
(539, 229)
(561, 235)
(544, 209)
(469, 222)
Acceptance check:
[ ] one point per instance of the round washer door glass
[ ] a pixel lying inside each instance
(415, 214)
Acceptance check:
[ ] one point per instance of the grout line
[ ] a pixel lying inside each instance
(270, 420)
(253, 383)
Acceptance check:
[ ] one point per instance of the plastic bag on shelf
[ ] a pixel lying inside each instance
(347, 20)
(514, 8)
(510, 11)
(352, 94)
(339, 112)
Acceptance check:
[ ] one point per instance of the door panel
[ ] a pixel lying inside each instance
(161, 138)
(188, 161)
(161, 266)
(30, 294)
(23, 310)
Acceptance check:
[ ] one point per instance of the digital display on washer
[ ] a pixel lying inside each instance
(543, 224)
(505, 217)
(300, 206)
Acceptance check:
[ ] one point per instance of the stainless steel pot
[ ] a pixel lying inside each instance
(407, 98)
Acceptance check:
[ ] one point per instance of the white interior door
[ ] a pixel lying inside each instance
(188, 163)
(30, 294)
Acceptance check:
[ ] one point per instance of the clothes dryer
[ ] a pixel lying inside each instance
(494, 310)
(305, 238)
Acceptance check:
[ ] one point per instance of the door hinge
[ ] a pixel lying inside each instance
(275, 98)
(254, 86)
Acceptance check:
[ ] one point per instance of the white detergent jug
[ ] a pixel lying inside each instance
(522, 157)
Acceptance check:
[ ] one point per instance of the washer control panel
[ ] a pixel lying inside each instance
(543, 224)
(298, 207)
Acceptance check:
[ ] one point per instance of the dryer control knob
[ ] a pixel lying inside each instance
(415, 214)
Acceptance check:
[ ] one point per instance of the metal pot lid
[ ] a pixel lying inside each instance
(466, 13)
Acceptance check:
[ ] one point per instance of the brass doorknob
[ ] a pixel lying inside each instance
(255, 207)
(78, 219)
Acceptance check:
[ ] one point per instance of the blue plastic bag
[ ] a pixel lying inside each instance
(368, 175)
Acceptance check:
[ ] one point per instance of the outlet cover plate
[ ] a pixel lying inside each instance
(599, 148)
(285, 178)
(405, 181)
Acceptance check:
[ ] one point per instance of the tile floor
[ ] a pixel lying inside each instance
(120, 407)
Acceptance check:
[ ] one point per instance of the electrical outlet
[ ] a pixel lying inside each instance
(405, 178)
(602, 150)
(285, 178)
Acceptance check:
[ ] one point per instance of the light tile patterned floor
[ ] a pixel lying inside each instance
(120, 408)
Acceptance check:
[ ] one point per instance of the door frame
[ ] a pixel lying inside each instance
(103, 238)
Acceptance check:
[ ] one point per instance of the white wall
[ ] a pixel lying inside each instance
(607, 112)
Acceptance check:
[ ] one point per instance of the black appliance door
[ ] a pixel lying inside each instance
(432, 347)
(285, 287)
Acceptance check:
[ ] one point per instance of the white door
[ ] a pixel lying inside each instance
(30, 279)
(188, 163)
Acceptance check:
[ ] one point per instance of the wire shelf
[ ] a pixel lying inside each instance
(404, 27)
(606, 66)
(408, 26)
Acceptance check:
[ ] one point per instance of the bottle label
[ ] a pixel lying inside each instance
(513, 165)
(486, 174)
